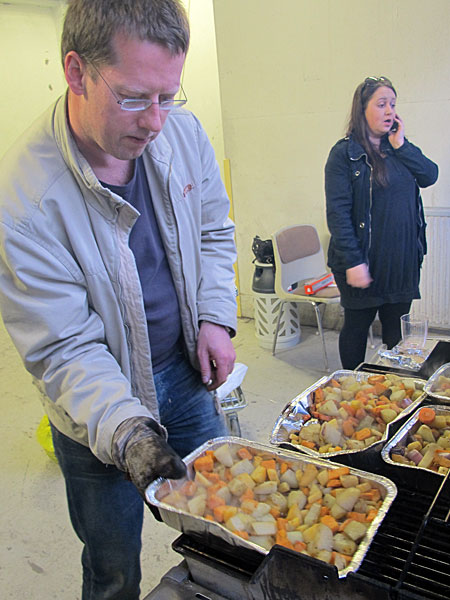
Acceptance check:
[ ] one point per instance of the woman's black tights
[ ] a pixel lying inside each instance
(357, 322)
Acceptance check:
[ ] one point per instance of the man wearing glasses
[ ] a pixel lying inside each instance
(116, 273)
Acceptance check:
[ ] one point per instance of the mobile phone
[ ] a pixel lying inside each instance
(394, 126)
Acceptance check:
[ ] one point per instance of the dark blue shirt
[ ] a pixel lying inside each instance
(160, 299)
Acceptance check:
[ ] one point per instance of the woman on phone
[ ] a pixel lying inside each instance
(375, 217)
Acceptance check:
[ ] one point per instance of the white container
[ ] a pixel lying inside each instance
(266, 309)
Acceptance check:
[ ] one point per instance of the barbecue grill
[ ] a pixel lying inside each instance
(409, 557)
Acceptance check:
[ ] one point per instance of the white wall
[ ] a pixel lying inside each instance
(288, 70)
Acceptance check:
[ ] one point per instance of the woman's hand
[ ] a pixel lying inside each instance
(359, 276)
(397, 137)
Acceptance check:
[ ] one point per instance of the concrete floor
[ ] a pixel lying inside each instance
(39, 552)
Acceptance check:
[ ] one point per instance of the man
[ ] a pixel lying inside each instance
(116, 273)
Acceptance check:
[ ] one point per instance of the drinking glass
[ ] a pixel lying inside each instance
(414, 332)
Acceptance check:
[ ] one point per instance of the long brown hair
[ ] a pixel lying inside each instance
(359, 129)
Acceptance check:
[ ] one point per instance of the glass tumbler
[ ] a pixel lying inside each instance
(414, 333)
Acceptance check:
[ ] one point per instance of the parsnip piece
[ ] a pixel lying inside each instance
(388, 414)
(343, 544)
(242, 466)
(337, 511)
(324, 538)
(290, 478)
(294, 536)
(223, 455)
(324, 555)
(264, 527)
(313, 514)
(201, 480)
(237, 487)
(355, 530)
(426, 433)
(197, 505)
(268, 487)
(247, 479)
(329, 407)
(261, 509)
(265, 541)
(349, 480)
(298, 498)
(348, 497)
(310, 473)
(279, 501)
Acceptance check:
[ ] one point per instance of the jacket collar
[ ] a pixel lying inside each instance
(356, 151)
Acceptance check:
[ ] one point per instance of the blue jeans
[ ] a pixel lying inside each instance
(105, 508)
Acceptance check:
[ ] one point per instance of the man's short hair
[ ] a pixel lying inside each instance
(91, 25)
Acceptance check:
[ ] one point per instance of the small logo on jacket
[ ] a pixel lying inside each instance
(187, 188)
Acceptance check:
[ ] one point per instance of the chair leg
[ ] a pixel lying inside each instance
(282, 303)
(320, 328)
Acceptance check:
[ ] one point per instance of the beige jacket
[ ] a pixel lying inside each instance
(70, 294)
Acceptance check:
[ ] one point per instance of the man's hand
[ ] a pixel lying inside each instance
(215, 353)
(145, 455)
(359, 276)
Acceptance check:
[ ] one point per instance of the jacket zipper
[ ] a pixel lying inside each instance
(370, 198)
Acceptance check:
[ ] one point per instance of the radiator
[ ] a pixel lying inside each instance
(435, 276)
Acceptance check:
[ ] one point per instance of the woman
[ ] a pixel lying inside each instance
(375, 217)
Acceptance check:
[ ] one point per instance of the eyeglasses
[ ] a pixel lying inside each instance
(135, 104)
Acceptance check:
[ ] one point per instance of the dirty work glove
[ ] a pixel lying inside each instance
(139, 448)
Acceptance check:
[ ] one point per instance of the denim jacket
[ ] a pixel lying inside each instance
(348, 190)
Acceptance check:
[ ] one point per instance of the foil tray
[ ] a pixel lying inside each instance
(291, 421)
(203, 528)
(400, 439)
(432, 385)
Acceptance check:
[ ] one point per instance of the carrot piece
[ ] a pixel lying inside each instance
(336, 473)
(330, 522)
(188, 488)
(219, 512)
(373, 494)
(347, 428)
(283, 467)
(308, 444)
(204, 463)
(209, 518)
(281, 523)
(380, 388)
(371, 514)
(242, 534)
(356, 516)
(376, 379)
(269, 464)
(210, 453)
(360, 413)
(427, 415)
(213, 477)
(363, 434)
(247, 495)
(275, 512)
(299, 546)
(214, 500)
(215, 487)
(324, 510)
(243, 453)
(323, 417)
(282, 540)
(319, 395)
(348, 408)
(334, 483)
(335, 383)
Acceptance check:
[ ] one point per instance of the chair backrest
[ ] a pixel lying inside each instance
(298, 255)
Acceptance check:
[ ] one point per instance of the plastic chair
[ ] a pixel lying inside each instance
(299, 259)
